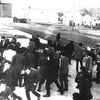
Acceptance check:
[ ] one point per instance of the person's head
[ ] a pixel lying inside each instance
(80, 44)
(75, 96)
(37, 35)
(83, 68)
(7, 40)
(71, 42)
(10, 46)
(59, 33)
(51, 55)
(2, 38)
(31, 39)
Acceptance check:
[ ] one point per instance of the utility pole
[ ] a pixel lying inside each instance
(73, 16)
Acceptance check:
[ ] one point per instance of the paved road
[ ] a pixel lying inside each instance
(54, 94)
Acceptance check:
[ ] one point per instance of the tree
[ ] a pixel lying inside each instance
(86, 11)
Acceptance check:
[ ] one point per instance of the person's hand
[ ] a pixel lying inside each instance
(22, 72)
(38, 68)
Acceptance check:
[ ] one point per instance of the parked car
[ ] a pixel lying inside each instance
(19, 20)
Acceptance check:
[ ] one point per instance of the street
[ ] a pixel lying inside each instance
(54, 94)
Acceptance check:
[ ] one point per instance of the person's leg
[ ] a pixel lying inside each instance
(20, 80)
(48, 82)
(61, 81)
(16, 97)
(81, 63)
(70, 57)
(77, 66)
(90, 76)
(98, 77)
(40, 84)
(58, 86)
(28, 94)
(66, 81)
(35, 93)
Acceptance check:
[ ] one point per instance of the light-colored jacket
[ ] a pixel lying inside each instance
(88, 64)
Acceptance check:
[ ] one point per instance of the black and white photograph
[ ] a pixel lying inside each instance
(49, 50)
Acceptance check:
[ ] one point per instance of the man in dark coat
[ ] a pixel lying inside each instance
(70, 49)
(18, 62)
(32, 77)
(43, 68)
(58, 37)
(52, 74)
(37, 41)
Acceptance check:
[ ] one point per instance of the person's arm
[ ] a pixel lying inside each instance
(13, 61)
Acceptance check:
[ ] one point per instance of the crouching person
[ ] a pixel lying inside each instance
(84, 85)
(32, 77)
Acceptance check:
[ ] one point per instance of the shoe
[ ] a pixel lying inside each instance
(47, 95)
(61, 92)
(58, 90)
(38, 90)
(97, 82)
(65, 89)
(21, 86)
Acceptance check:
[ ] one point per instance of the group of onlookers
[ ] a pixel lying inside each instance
(50, 64)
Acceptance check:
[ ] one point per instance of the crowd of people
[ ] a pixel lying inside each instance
(38, 65)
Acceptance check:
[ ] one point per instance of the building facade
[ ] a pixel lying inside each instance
(5, 9)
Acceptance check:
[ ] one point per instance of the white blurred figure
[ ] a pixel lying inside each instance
(88, 48)
(8, 54)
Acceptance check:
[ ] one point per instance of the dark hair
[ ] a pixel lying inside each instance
(83, 68)
(51, 54)
(80, 44)
(3, 37)
(75, 96)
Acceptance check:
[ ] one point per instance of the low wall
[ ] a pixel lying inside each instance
(6, 20)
